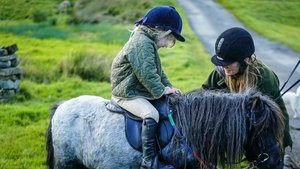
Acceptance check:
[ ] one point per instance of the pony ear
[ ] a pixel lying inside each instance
(257, 104)
(257, 108)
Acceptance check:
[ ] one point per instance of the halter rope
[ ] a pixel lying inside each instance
(190, 150)
(287, 81)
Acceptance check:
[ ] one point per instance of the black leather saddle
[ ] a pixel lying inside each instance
(133, 124)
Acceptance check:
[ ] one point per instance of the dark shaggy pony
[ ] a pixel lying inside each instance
(219, 127)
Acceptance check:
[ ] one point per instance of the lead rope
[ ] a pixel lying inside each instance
(290, 75)
(190, 150)
(287, 81)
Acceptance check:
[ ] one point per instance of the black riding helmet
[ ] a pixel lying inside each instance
(233, 45)
(164, 17)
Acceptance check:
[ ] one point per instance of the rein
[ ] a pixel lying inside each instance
(287, 81)
(189, 149)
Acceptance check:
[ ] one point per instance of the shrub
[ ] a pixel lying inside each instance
(52, 21)
(87, 65)
(39, 16)
(41, 31)
(103, 11)
(22, 95)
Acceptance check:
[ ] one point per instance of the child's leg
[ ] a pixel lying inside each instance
(139, 107)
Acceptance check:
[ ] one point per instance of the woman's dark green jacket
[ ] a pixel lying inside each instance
(268, 84)
(136, 71)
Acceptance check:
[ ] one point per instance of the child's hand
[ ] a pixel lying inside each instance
(177, 91)
(169, 90)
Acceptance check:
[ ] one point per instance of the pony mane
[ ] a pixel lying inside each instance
(214, 122)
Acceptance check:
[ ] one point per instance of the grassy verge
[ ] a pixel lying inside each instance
(54, 59)
(23, 121)
(277, 20)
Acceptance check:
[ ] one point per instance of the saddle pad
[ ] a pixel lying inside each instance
(133, 124)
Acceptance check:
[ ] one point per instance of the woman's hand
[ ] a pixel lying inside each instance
(169, 90)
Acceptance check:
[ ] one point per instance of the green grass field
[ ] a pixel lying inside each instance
(278, 20)
(62, 61)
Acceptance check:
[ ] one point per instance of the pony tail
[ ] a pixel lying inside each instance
(49, 143)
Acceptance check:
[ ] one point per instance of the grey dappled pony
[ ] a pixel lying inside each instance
(219, 127)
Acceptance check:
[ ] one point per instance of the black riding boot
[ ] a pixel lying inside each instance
(150, 158)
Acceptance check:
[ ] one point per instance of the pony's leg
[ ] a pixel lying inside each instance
(68, 164)
(58, 159)
(65, 155)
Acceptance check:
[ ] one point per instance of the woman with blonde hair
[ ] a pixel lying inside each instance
(137, 75)
(238, 69)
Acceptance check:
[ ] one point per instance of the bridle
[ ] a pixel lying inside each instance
(264, 150)
(262, 157)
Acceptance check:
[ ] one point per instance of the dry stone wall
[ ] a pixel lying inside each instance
(10, 73)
